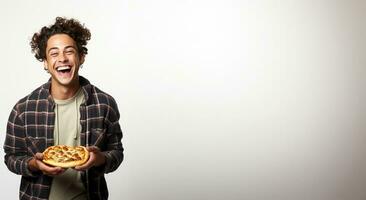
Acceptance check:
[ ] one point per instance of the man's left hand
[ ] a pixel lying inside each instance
(96, 158)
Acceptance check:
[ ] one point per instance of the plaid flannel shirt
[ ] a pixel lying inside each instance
(30, 130)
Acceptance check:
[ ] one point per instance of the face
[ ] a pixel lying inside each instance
(63, 60)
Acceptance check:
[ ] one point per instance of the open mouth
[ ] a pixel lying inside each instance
(63, 70)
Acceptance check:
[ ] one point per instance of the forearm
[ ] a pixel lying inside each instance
(113, 160)
(17, 156)
(20, 165)
(32, 165)
(114, 151)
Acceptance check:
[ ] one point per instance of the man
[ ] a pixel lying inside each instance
(66, 110)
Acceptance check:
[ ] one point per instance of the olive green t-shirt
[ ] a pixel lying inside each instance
(67, 130)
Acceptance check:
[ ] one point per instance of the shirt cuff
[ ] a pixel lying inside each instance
(25, 168)
(102, 169)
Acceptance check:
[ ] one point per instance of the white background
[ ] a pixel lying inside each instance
(219, 99)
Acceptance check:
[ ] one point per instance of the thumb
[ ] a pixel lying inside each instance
(38, 156)
(92, 149)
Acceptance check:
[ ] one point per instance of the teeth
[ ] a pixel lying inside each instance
(63, 68)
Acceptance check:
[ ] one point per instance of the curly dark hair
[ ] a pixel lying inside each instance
(71, 27)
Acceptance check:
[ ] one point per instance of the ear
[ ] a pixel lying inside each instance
(45, 65)
(82, 59)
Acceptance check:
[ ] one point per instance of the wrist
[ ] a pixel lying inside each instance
(101, 160)
(32, 165)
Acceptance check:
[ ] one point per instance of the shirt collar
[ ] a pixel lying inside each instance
(84, 84)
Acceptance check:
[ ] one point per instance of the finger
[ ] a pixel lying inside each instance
(60, 171)
(81, 167)
(54, 170)
(86, 165)
(55, 173)
(93, 149)
(38, 156)
(49, 169)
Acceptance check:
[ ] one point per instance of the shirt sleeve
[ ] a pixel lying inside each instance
(15, 146)
(114, 152)
(114, 155)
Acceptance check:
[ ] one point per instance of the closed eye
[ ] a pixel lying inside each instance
(69, 52)
(54, 54)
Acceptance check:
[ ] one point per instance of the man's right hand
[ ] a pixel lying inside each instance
(36, 164)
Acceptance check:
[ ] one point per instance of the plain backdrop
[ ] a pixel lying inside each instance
(219, 99)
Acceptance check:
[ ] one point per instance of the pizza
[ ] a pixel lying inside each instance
(65, 156)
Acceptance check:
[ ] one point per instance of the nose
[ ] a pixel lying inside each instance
(62, 57)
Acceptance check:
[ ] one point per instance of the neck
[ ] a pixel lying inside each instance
(63, 92)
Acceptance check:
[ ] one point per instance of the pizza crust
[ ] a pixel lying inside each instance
(65, 156)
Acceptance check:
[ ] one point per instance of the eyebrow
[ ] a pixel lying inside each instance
(70, 46)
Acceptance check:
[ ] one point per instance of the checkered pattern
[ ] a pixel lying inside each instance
(30, 130)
